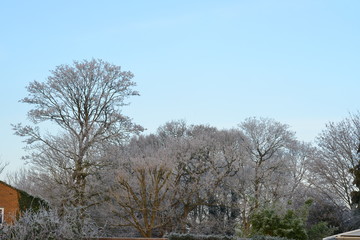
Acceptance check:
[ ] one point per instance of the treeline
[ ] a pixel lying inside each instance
(254, 179)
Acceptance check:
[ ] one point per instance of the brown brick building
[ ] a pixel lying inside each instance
(13, 201)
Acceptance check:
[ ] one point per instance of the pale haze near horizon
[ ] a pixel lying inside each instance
(208, 62)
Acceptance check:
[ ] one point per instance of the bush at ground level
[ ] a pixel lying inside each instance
(49, 225)
(320, 230)
(269, 222)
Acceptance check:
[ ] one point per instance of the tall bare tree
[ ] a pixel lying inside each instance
(84, 101)
(265, 138)
(334, 170)
(337, 154)
(265, 141)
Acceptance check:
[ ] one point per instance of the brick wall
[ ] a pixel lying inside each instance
(9, 200)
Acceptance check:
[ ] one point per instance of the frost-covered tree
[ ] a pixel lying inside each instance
(337, 154)
(168, 181)
(84, 102)
(265, 167)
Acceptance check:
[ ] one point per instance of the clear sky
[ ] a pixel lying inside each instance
(210, 62)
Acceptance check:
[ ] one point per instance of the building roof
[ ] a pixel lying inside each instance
(352, 235)
(16, 189)
(29, 200)
(8, 185)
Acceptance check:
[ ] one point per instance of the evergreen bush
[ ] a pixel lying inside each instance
(320, 230)
(269, 222)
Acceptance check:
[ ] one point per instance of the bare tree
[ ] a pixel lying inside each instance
(3, 165)
(265, 138)
(337, 154)
(143, 196)
(173, 129)
(22, 179)
(298, 157)
(84, 101)
(265, 141)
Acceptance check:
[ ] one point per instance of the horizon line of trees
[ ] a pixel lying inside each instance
(183, 178)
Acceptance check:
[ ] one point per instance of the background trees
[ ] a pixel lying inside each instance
(181, 169)
(215, 179)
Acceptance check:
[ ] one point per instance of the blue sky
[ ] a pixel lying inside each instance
(210, 62)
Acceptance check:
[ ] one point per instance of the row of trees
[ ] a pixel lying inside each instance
(183, 178)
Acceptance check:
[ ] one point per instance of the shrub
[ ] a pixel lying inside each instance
(49, 225)
(320, 230)
(270, 223)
